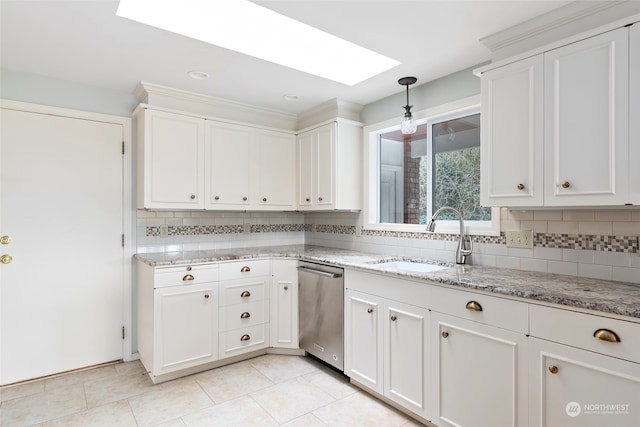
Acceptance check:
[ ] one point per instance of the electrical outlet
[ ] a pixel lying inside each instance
(313, 228)
(520, 239)
(164, 230)
(358, 230)
(247, 228)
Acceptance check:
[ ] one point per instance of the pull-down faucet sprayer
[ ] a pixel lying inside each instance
(462, 252)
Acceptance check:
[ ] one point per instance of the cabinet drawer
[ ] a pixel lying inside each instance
(243, 340)
(243, 292)
(500, 312)
(243, 315)
(580, 330)
(244, 269)
(185, 275)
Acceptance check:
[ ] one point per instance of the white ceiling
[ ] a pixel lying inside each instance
(84, 41)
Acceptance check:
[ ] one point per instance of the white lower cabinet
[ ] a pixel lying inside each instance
(585, 370)
(386, 340)
(363, 339)
(284, 304)
(479, 355)
(177, 317)
(479, 374)
(244, 307)
(406, 355)
(187, 317)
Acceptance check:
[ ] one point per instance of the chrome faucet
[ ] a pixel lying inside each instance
(462, 252)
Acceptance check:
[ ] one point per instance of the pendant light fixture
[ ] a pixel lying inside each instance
(408, 125)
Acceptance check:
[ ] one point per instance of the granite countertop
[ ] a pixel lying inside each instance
(606, 296)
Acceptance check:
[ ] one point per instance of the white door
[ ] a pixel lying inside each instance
(61, 297)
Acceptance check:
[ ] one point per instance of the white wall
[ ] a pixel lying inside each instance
(40, 89)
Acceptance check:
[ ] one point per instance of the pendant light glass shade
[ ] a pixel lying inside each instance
(408, 125)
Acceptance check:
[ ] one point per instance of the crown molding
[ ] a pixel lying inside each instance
(191, 102)
(566, 21)
(329, 111)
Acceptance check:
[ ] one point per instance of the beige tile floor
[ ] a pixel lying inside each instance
(269, 390)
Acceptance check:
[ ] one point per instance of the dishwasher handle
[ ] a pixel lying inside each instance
(319, 272)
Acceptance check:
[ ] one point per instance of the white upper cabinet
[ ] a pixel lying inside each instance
(556, 125)
(586, 95)
(634, 114)
(512, 134)
(330, 167)
(249, 168)
(170, 153)
(228, 164)
(276, 169)
(188, 162)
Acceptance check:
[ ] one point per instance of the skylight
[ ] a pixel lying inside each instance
(248, 28)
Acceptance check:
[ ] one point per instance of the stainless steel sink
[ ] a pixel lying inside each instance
(408, 266)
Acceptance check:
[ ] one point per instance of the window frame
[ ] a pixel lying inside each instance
(371, 166)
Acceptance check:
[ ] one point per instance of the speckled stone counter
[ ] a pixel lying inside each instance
(593, 294)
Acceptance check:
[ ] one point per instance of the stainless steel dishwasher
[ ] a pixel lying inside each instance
(321, 312)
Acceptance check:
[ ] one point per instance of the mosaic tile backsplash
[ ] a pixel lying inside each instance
(622, 244)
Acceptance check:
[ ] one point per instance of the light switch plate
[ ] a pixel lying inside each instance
(520, 239)
(164, 230)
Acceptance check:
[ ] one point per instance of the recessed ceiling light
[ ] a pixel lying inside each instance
(246, 27)
(290, 97)
(198, 75)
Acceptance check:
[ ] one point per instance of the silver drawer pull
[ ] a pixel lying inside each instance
(369, 310)
(188, 277)
(474, 305)
(245, 337)
(606, 335)
(245, 269)
(206, 296)
(245, 294)
(393, 318)
(245, 315)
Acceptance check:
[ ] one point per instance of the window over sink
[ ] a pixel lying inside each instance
(409, 177)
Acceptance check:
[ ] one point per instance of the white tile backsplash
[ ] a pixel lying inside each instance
(602, 264)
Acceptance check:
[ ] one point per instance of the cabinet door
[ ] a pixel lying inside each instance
(284, 304)
(479, 374)
(634, 113)
(228, 165)
(512, 131)
(363, 339)
(574, 387)
(406, 356)
(305, 169)
(185, 326)
(276, 170)
(586, 121)
(325, 163)
(173, 149)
